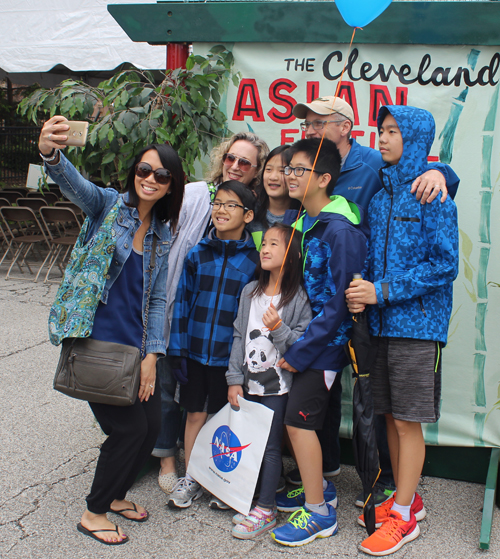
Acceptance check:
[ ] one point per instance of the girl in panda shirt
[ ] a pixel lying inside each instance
(274, 312)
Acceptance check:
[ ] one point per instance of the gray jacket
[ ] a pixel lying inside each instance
(295, 316)
(193, 219)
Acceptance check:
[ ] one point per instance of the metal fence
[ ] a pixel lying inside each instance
(18, 148)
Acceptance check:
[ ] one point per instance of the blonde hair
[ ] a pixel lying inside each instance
(216, 164)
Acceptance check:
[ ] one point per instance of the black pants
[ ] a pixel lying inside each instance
(329, 435)
(132, 432)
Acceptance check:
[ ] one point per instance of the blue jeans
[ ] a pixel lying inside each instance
(171, 415)
(270, 470)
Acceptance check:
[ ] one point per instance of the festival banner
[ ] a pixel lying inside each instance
(459, 86)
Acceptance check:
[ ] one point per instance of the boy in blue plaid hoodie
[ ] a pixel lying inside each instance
(215, 273)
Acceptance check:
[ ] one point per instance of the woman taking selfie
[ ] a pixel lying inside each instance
(139, 220)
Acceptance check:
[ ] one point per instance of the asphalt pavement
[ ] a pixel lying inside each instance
(48, 454)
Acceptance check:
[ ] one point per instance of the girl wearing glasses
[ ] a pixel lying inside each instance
(127, 224)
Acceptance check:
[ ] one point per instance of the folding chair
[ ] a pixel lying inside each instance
(55, 189)
(34, 203)
(6, 247)
(63, 227)
(50, 197)
(72, 206)
(34, 194)
(20, 190)
(3, 237)
(23, 232)
(10, 196)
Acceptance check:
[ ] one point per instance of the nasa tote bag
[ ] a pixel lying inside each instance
(227, 454)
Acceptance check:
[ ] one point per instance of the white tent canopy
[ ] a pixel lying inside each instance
(36, 35)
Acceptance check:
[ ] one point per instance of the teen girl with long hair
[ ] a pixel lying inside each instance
(272, 194)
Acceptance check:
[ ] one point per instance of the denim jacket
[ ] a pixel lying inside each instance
(96, 203)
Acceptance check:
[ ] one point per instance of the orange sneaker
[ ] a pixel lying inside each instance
(393, 534)
(382, 511)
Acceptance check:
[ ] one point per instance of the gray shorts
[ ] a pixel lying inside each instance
(406, 379)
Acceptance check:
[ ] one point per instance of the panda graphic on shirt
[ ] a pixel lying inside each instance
(263, 377)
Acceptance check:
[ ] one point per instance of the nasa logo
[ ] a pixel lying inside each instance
(226, 449)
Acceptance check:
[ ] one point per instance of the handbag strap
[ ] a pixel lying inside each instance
(152, 264)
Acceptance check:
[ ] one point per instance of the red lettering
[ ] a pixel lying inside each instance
(248, 101)
(312, 91)
(356, 133)
(279, 98)
(373, 138)
(285, 139)
(348, 94)
(379, 96)
(432, 158)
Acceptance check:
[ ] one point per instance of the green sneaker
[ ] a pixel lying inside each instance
(380, 495)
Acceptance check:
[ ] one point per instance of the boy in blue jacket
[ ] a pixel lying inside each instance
(334, 248)
(413, 260)
(215, 272)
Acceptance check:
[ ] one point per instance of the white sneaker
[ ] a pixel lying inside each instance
(184, 493)
(217, 504)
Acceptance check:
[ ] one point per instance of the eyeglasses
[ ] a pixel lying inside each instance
(143, 170)
(228, 159)
(318, 124)
(229, 206)
(299, 171)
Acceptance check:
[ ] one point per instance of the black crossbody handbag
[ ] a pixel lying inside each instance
(103, 372)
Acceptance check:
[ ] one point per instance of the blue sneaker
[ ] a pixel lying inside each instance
(305, 526)
(296, 499)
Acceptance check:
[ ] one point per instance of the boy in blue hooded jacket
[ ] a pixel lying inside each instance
(413, 260)
(334, 248)
(215, 272)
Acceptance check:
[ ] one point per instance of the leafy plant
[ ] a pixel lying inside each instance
(129, 111)
(9, 100)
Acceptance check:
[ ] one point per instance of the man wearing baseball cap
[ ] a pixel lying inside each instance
(359, 178)
(359, 181)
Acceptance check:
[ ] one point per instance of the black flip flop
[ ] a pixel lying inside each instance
(92, 534)
(120, 512)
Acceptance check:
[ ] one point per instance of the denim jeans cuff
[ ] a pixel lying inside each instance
(164, 452)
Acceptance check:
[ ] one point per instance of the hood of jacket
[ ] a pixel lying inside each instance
(338, 206)
(228, 247)
(417, 128)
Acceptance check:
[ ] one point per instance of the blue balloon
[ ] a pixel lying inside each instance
(358, 13)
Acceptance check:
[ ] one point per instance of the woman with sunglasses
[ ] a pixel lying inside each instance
(148, 208)
(240, 158)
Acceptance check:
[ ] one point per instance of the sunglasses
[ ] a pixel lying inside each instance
(143, 170)
(228, 159)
